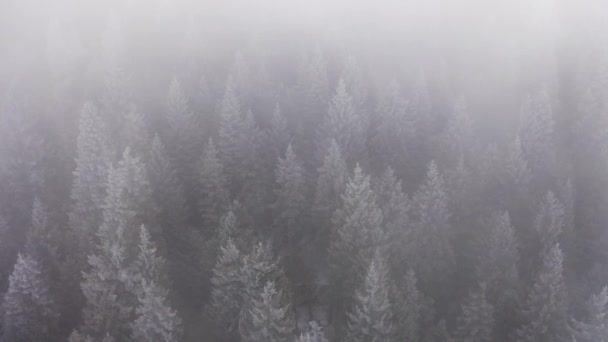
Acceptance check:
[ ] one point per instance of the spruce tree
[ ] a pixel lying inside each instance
(358, 233)
(213, 192)
(477, 319)
(344, 124)
(333, 175)
(594, 326)
(230, 135)
(267, 317)
(313, 334)
(29, 310)
(410, 307)
(432, 253)
(545, 310)
(156, 320)
(290, 200)
(137, 137)
(370, 319)
(90, 176)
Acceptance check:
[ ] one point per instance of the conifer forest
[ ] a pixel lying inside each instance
(303, 171)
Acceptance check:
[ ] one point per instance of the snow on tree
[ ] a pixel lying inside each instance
(290, 204)
(93, 161)
(545, 309)
(358, 233)
(213, 192)
(477, 319)
(313, 334)
(228, 288)
(432, 254)
(137, 137)
(410, 308)
(594, 326)
(230, 135)
(267, 318)
(333, 175)
(156, 320)
(370, 318)
(29, 311)
(355, 84)
(344, 124)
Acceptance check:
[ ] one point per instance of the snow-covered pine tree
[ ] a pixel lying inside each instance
(93, 162)
(333, 175)
(594, 326)
(344, 124)
(477, 319)
(213, 191)
(291, 201)
(313, 334)
(29, 312)
(408, 308)
(156, 321)
(432, 256)
(371, 318)
(358, 233)
(267, 317)
(545, 310)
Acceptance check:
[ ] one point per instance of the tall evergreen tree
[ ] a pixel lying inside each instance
(268, 317)
(594, 327)
(333, 175)
(313, 334)
(213, 194)
(358, 233)
(290, 200)
(477, 319)
(155, 321)
(371, 316)
(344, 124)
(432, 253)
(545, 310)
(29, 310)
(408, 308)
(90, 176)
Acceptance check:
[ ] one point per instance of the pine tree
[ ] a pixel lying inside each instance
(459, 136)
(109, 284)
(537, 135)
(230, 135)
(545, 310)
(213, 198)
(156, 321)
(355, 84)
(370, 319)
(594, 328)
(29, 312)
(408, 308)
(267, 317)
(167, 190)
(344, 124)
(278, 134)
(41, 241)
(290, 200)
(228, 286)
(432, 256)
(137, 137)
(477, 320)
(333, 175)
(496, 267)
(358, 233)
(313, 334)
(90, 176)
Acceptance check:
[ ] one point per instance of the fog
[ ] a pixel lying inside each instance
(310, 171)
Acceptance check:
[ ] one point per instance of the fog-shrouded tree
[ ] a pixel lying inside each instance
(29, 312)
(331, 182)
(137, 136)
(545, 311)
(314, 333)
(344, 124)
(357, 227)
(371, 317)
(594, 325)
(156, 320)
(291, 201)
(229, 135)
(93, 162)
(432, 254)
(267, 317)
(477, 319)
(408, 308)
(213, 190)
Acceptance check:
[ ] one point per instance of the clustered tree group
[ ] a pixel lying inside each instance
(309, 200)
